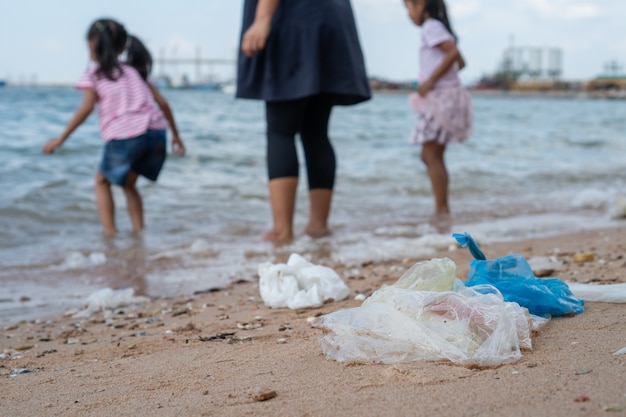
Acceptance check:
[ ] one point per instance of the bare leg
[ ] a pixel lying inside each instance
(134, 202)
(106, 206)
(320, 201)
(283, 201)
(432, 156)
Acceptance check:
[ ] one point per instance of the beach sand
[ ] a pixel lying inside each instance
(189, 356)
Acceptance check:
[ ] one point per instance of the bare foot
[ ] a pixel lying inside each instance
(316, 232)
(442, 222)
(277, 238)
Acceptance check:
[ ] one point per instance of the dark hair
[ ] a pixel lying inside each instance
(138, 57)
(109, 38)
(436, 9)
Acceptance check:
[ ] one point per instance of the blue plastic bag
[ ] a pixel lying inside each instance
(514, 278)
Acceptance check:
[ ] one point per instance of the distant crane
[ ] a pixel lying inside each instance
(198, 62)
(613, 68)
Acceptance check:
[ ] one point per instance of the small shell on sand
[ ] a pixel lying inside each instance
(262, 394)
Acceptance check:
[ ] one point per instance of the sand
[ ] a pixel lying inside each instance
(189, 356)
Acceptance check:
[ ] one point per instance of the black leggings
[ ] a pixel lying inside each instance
(308, 117)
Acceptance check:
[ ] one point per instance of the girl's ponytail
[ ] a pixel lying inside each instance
(138, 57)
(109, 39)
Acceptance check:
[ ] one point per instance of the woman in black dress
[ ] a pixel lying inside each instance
(301, 57)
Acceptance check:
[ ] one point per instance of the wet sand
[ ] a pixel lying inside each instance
(223, 353)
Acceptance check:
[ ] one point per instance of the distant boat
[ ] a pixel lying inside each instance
(3, 83)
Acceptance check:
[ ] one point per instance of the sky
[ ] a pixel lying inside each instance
(44, 41)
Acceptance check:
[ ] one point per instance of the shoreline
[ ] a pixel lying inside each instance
(581, 95)
(196, 355)
(573, 94)
(193, 267)
(578, 95)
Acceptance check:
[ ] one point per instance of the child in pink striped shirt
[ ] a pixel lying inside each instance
(132, 128)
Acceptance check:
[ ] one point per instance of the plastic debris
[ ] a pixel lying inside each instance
(109, 299)
(434, 275)
(514, 278)
(464, 239)
(405, 322)
(544, 264)
(76, 260)
(620, 351)
(619, 208)
(19, 371)
(609, 293)
(299, 284)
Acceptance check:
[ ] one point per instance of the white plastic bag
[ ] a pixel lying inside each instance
(299, 284)
(403, 323)
(609, 293)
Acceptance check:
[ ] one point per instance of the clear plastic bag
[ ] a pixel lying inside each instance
(402, 322)
(434, 275)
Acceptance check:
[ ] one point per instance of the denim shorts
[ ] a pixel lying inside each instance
(144, 155)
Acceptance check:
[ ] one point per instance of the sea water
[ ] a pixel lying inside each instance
(534, 166)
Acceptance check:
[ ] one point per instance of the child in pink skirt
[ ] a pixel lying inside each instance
(443, 106)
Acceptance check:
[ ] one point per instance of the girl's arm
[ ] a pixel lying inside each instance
(461, 61)
(254, 38)
(452, 55)
(177, 144)
(84, 110)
